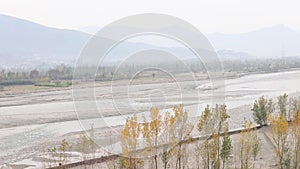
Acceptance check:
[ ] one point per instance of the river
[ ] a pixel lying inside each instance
(238, 92)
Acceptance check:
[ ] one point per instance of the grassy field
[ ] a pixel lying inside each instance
(56, 84)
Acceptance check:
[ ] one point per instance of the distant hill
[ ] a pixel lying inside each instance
(275, 41)
(24, 43)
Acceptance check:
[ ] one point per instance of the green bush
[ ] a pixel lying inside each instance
(52, 84)
(16, 82)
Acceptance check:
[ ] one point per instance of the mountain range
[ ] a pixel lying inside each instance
(27, 43)
(275, 41)
(24, 42)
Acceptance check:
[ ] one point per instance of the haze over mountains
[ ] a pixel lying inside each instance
(273, 41)
(26, 43)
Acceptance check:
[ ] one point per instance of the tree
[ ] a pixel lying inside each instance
(294, 106)
(204, 120)
(256, 147)
(34, 74)
(221, 117)
(11, 75)
(54, 74)
(279, 132)
(151, 132)
(295, 137)
(86, 144)
(282, 104)
(24, 75)
(204, 148)
(155, 128)
(129, 143)
(60, 152)
(182, 130)
(248, 146)
(226, 149)
(217, 147)
(262, 108)
(167, 139)
(2, 74)
(64, 146)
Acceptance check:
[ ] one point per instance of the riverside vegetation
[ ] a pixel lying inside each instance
(61, 75)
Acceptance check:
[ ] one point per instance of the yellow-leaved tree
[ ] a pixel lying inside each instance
(295, 134)
(151, 132)
(279, 132)
(167, 139)
(129, 142)
(182, 129)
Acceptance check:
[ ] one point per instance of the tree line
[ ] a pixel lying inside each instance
(115, 71)
(160, 138)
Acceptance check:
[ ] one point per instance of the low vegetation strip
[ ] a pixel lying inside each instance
(16, 82)
(59, 84)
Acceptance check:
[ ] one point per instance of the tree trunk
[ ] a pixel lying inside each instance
(165, 165)
(155, 160)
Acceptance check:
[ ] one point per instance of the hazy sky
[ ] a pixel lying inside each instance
(226, 16)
